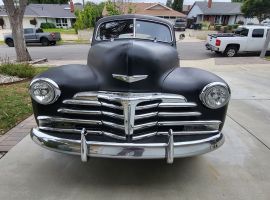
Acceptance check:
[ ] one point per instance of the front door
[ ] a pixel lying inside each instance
(29, 35)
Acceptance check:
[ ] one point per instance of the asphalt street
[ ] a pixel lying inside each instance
(239, 170)
(187, 51)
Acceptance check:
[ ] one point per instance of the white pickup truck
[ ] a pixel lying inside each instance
(244, 39)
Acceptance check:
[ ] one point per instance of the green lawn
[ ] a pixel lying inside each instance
(61, 42)
(61, 30)
(15, 103)
(267, 57)
(2, 42)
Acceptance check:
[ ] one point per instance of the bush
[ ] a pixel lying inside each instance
(22, 70)
(230, 27)
(47, 25)
(218, 27)
(205, 25)
(224, 29)
(240, 22)
(235, 26)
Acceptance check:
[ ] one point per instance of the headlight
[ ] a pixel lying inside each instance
(215, 95)
(44, 91)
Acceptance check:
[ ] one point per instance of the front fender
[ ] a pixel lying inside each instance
(71, 79)
(189, 82)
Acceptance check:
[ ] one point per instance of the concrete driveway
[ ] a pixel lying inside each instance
(239, 170)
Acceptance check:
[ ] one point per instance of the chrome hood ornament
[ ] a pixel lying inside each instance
(129, 79)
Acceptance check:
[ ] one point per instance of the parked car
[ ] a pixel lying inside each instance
(266, 22)
(35, 35)
(131, 100)
(245, 39)
(180, 24)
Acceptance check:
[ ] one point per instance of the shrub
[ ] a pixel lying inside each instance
(218, 27)
(235, 26)
(22, 70)
(224, 29)
(230, 27)
(47, 25)
(205, 25)
(240, 22)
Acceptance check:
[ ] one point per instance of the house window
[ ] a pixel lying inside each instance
(258, 33)
(61, 22)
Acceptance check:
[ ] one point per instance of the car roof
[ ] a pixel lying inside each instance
(255, 26)
(131, 16)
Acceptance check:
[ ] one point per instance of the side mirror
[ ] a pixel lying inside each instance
(182, 36)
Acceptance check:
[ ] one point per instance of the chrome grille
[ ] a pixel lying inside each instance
(131, 116)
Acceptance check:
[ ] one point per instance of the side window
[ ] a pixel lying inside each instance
(28, 31)
(258, 33)
(39, 30)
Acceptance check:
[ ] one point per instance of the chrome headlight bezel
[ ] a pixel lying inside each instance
(209, 87)
(53, 85)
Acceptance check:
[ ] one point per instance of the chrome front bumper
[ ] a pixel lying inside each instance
(88, 149)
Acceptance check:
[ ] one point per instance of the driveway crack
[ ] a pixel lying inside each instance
(246, 129)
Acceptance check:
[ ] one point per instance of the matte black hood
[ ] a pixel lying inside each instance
(132, 57)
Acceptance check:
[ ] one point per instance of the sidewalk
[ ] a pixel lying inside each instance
(16, 134)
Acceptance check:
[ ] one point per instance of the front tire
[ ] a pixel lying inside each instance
(44, 42)
(10, 42)
(230, 51)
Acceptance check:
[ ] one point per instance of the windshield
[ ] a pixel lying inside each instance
(125, 29)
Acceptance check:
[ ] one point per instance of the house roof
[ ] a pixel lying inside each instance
(219, 8)
(46, 10)
(153, 9)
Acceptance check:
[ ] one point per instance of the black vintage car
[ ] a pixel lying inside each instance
(131, 100)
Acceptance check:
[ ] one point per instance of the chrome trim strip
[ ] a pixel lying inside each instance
(144, 136)
(178, 114)
(65, 130)
(114, 136)
(114, 125)
(81, 102)
(155, 105)
(145, 125)
(146, 115)
(189, 132)
(182, 123)
(127, 150)
(81, 112)
(111, 114)
(111, 105)
(67, 120)
(181, 105)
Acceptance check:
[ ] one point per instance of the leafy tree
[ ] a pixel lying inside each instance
(169, 3)
(15, 11)
(87, 17)
(112, 8)
(238, 1)
(49, 1)
(177, 5)
(256, 8)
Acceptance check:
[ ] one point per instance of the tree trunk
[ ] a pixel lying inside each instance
(15, 15)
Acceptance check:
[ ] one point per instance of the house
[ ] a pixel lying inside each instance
(58, 14)
(225, 13)
(153, 9)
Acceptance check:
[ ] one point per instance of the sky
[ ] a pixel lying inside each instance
(186, 2)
